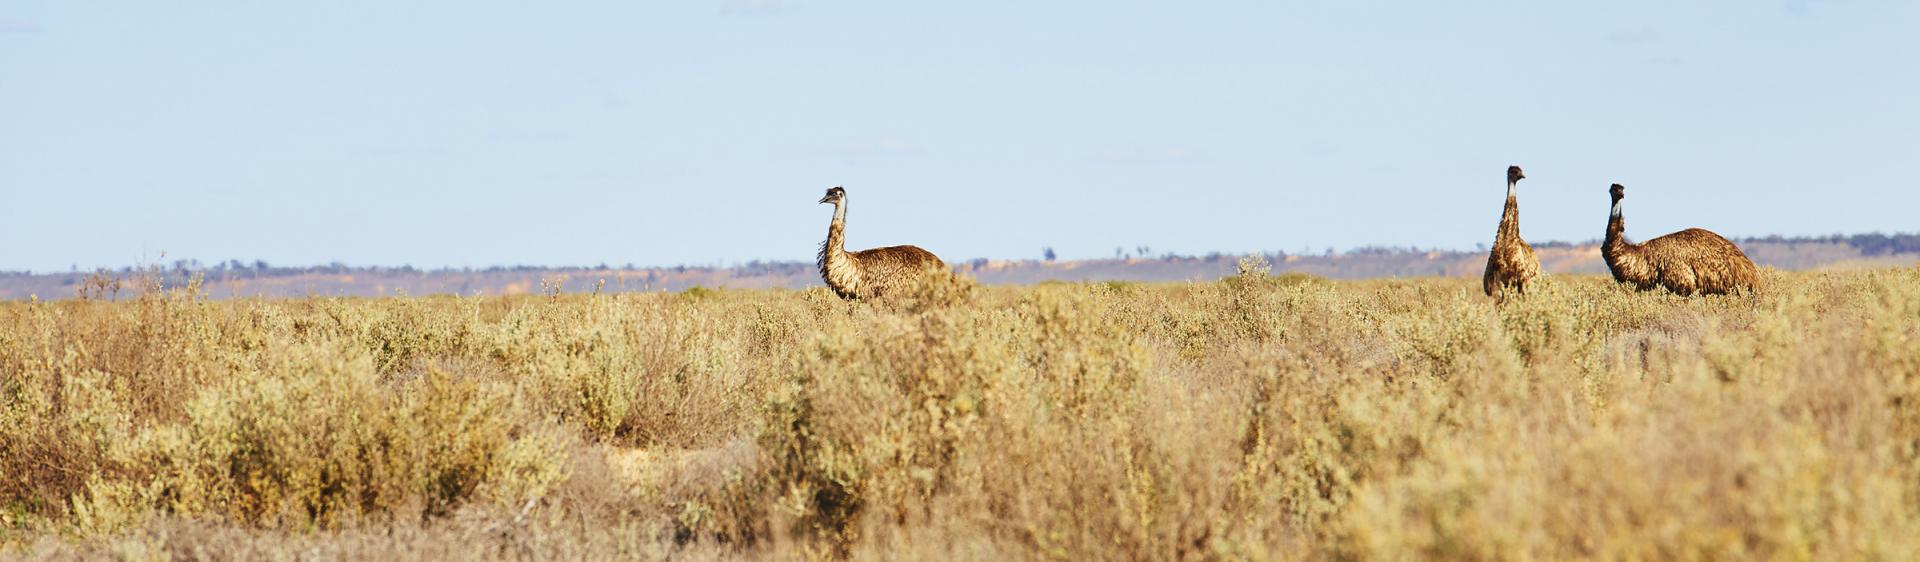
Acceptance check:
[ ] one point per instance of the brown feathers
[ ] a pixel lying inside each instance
(871, 273)
(1688, 262)
(1511, 264)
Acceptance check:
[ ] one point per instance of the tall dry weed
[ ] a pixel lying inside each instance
(1258, 417)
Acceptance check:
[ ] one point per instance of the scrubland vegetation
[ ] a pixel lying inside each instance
(1258, 417)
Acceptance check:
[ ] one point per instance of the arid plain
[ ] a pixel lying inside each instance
(1256, 417)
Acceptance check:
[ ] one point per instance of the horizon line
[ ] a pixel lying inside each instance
(194, 264)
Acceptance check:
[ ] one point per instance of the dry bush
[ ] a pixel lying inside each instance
(935, 288)
(1257, 417)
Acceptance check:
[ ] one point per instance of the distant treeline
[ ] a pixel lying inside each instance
(1873, 244)
(260, 268)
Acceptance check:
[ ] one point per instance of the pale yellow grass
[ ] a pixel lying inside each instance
(1254, 418)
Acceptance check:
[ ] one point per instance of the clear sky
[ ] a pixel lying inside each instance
(474, 133)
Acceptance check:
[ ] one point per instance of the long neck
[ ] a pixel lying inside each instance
(837, 267)
(1622, 257)
(1616, 229)
(836, 244)
(1510, 216)
(1616, 224)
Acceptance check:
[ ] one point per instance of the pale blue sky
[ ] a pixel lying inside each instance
(474, 133)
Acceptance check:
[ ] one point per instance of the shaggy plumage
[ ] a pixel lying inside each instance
(1688, 262)
(871, 273)
(1511, 265)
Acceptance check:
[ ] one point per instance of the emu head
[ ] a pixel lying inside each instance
(1514, 174)
(1618, 192)
(834, 195)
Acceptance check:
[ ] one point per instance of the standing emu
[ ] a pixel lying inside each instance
(1511, 264)
(1685, 262)
(871, 273)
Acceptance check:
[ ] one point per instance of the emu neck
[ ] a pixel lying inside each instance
(1622, 257)
(1509, 217)
(836, 267)
(836, 244)
(1616, 230)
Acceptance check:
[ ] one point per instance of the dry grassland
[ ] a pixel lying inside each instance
(1260, 418)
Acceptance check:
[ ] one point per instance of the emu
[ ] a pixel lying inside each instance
(868, 274)
(1511, 265)
(1688, 262)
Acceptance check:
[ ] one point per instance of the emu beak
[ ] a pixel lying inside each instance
(825, 199)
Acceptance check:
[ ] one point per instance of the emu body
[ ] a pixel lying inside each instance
(868, 274)
(1688, 262)
(1511, 265)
